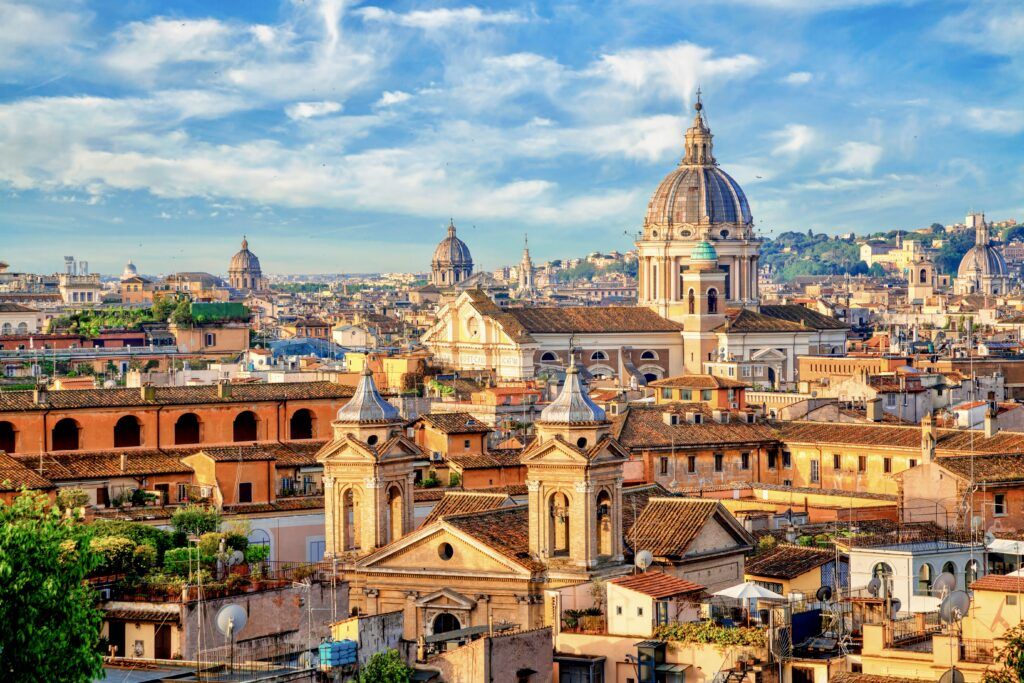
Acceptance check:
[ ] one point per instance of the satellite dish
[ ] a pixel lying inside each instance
(944, 583)
(954, 607)
(874, 585)
(307, 660)
(643, 560)
(237, 557)
(951, 676)
(976, 522)
(109, 384)
(896, 604)
(989, 538)
(231, 619)
(824, 594)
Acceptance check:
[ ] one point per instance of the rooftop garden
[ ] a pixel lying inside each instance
(711, 633)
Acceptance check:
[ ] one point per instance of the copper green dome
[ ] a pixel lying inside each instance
(704, 251)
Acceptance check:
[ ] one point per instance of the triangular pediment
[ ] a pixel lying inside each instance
(350, 449)
(768, 354)
(419, 553)
(446, 597)
(554, 452)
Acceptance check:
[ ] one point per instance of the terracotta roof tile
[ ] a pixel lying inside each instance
(505, 530)
(949, 442)
(804, 316)
(850, 677)
(698, 382)
(100, 465)
(597, 319)
(463, 502)
(484, 461)
(658, 585)
(1000, 583)
(667, 526)
(455, 423)
(15, 475)
(642, 427)
(634, 501)
(986, 468)
(787, 561)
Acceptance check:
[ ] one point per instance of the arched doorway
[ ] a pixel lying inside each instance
(559, 523)
(186, 430)
(444, 622)
(604, 523)
(245, 427)
(128, 432)
(8, 438)
(65, 435)
(301, 425)
(395, 515)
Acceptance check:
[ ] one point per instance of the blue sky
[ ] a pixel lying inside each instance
(341, 136)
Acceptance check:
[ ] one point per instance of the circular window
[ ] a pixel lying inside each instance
(685, 233)
(445, 551)
(724, 234)
(654, 233)
(581, 442)
(372, 439)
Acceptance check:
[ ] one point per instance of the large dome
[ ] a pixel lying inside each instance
(129, 271)
(452, 251)
(982, 260)
(245, 260)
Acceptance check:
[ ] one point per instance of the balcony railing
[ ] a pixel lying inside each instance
(978, 651)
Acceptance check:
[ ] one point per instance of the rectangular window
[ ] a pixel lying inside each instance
(744, 461)
(211, 339)
(685, 395)
(618, 610)
(245, 492)
(705, 395)
(1011, 599)
(887, 465)
(666, 393)
(465, 444)
(772, 457)
(787, 482)
(837, 461)
(691, 463)
(639, 611)
(663, 465)
(787, 459)
(862, 463)
(912, 462)
(815, 473)
(999, 504)
(181, 492)
(718, 462)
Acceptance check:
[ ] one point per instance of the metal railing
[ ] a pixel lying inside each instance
(978, 651)
(912, 629)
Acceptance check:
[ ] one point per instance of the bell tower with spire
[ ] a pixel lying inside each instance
(525, 270)
(574, 483)
(368, 474)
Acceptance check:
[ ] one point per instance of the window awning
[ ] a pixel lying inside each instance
(672, 668)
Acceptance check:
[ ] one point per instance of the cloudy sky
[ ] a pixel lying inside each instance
(341, 136)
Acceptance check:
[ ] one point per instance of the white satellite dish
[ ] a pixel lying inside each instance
(954, 607)
(989, 538)
(643, 560)
(945, 583)
(237, 557)
(231, 619)
(896, 604)
(976, 522)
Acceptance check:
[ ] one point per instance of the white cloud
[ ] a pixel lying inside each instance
(857, 157)
(798, 78)
(28, 29)
(671, 72)
(306, 110)
(794, 139)
(143, 47)
(440, 18)
(987, 27)
(989, 120)
(392, 97)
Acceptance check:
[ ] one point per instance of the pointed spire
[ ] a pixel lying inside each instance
(451, 227)
(698, 138)
(366, 404)
(573, 404)
(245, 243)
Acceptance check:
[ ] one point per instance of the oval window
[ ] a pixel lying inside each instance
(581, 442)
(445, 551)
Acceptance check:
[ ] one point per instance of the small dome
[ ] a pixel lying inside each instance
(244, 260)
(366, 404)
(452, 251)
(704, 251)
(129, 271)
(573, 404)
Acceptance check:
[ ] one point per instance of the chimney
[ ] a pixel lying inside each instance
(874, 410)
(124, 462)
(41, 395)
(929, 437)
(991, 422)
(224, 390)
(147, 392)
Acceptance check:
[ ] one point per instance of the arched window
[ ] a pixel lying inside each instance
(599, 355)
(970, 573)
(22, 328)
(7, 328)
(245, 427)
(128, 432)
(651, 377)
(558, 507)
(350, 520)
(691, 302)
(65, 435)
(301, 425)
(950, 568)
(648, 355)
(604, 523)
(444, 622)
(187, 430)
(395, 528)
(924, 579)
(883, 572)
(548, 357)
(8, 438)
(260, 537)
(712, 300)
(924, 276)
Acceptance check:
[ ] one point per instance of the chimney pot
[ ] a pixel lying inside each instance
(224, 390)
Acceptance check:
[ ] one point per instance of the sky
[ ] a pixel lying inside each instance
(342, 136)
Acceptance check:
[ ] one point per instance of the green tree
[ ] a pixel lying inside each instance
(1011, 656)
(195, 520)
(385, 667)
(51, 625)
(182, 315)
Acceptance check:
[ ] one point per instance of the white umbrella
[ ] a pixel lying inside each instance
(749, 591)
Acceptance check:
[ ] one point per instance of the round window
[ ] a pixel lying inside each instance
(654, 233)
(724, 234)
(372, 439)
(445, 551)
(581, 442)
